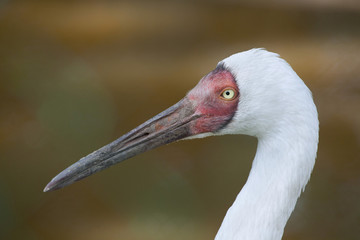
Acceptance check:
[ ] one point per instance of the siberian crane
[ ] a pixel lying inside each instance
(254, 93)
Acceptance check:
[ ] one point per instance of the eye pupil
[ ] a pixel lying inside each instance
(227, 93)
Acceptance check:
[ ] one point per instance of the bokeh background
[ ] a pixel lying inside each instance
(75, 75)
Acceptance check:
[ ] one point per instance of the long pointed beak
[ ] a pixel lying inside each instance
(170, 125)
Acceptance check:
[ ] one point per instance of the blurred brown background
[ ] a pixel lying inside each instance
(75, 75)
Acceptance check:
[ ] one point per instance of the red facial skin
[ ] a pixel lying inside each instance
(215, 111)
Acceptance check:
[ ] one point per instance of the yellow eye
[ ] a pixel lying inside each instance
(228, 94)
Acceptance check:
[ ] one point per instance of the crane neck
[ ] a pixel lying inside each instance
(282, 166)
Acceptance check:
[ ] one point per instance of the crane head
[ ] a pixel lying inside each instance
(253, 92)
(206, 109)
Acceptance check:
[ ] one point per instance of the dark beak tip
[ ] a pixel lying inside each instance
(47, 189)
(51, 186)
(54, 184)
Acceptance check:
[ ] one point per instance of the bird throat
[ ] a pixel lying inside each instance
(269, 196)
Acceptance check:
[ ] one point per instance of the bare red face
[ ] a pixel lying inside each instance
(215, 99)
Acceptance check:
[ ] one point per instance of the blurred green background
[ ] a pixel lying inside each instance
(75, 75)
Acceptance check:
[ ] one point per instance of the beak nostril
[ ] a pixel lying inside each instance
(139, 136)
(132, 139)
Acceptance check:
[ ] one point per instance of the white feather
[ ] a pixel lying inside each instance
(275, 106)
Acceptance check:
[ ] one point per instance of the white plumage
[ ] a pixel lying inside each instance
(276, 107)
